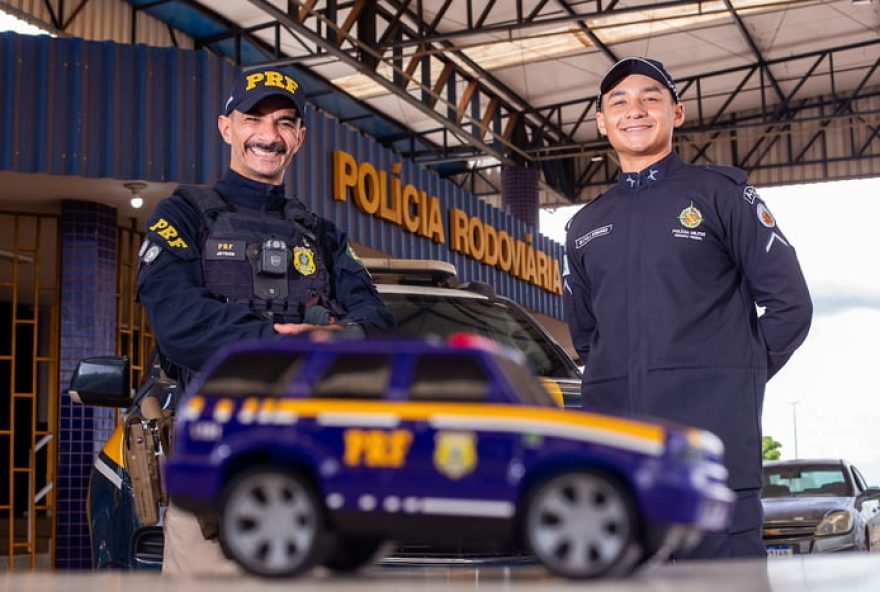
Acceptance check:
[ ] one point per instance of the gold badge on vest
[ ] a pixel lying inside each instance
(304, 260)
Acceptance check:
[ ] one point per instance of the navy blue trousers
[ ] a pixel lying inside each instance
(741, 539)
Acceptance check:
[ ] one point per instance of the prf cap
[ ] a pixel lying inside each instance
(635, 65)
(253, 86)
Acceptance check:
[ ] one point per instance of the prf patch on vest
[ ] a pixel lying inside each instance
(166, 231)
(219, 250)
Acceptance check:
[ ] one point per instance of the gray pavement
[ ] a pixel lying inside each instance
(844, 573)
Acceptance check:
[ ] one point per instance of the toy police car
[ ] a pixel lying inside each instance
(125, 506)
(314, 452)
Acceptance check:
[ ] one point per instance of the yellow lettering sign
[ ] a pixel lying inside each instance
(376, 448)
(390, 198)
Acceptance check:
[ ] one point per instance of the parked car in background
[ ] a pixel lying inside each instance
(426, 300)
(818, 506)
(316, 452)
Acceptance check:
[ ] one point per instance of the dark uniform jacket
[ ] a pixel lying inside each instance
(663, 274)
(189, 321)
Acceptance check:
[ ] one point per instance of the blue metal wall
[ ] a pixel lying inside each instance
(101, 109)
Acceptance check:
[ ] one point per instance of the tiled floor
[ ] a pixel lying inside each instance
(844, 573)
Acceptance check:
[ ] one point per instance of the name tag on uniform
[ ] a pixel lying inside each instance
(220, 249)
(593, 234)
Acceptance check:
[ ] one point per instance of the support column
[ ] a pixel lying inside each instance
(88, 328)
(519, 193)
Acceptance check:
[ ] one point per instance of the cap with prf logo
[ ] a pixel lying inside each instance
(253, 86)
(635, 65)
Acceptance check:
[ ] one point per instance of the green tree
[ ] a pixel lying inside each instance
(770, 448)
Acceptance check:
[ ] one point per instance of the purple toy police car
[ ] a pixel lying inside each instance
(317, 452)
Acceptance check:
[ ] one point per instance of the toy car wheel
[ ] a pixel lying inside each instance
(582, 525)
(271, 523)
(352, 553)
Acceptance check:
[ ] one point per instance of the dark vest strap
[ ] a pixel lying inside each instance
(205, 200)
(297, 212)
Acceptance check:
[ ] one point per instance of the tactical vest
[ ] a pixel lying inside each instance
(274, 266)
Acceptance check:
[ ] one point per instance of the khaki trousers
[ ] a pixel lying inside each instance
(188, 553)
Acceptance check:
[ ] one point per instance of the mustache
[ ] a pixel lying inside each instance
(277, 147)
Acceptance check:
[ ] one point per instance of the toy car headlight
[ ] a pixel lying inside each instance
(706, 442)
(839, 522)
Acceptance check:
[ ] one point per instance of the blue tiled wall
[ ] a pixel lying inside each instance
(519, 193)
(88, 328)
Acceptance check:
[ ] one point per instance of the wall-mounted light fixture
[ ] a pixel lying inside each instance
(136, 187)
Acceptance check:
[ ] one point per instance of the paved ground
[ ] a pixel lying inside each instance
(844, 573)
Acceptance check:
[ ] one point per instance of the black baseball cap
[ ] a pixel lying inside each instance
(635, 65)
(253, 86)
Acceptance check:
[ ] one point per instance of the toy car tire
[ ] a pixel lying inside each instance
(582, 524)
(349, 554)
(272, 523)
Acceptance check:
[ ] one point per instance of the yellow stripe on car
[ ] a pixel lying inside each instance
(629, 434)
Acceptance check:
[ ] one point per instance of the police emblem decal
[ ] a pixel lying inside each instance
(765, 217)
(690, 217)
(304, 260)
(455, 453)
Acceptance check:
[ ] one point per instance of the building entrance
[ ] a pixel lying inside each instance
(28, 384)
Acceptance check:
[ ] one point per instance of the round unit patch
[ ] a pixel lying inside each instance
(690, 217)
(765, 217)
(151, 254)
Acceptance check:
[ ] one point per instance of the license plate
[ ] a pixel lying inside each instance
(779, 551)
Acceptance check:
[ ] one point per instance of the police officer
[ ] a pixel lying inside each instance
(240, 260)
(664, 272)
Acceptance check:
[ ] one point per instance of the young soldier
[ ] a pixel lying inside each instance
(664, 273)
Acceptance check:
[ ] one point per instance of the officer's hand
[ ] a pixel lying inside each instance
(297, 328)
(292, 328)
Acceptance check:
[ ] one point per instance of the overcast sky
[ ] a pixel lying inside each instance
(835, 376)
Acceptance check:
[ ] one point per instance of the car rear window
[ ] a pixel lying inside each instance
(420, 315)
(355, 376)
(253, 374)
(449, 378)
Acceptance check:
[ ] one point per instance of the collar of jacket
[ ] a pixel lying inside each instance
(651, 174)
(246, 193)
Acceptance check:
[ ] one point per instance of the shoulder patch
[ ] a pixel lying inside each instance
(736, 175)
(149, 251)
(171, 236)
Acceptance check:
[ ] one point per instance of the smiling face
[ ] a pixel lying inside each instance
(263, 140)
(638, 116)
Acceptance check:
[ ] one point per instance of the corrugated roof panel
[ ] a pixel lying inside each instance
(101, 109)
(100, 20)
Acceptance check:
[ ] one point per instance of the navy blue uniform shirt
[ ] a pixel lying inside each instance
(663, 274)
(190, 323)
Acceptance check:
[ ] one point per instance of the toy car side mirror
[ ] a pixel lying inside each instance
(101, 381)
